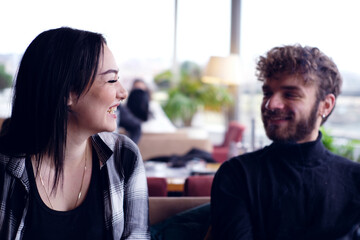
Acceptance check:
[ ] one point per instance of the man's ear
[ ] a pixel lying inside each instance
(327, 105)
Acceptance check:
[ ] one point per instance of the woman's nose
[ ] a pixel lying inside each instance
(274, 102)
(121, 92)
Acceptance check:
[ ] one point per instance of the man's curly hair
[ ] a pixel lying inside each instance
(313, 65)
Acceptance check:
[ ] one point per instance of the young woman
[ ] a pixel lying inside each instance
(64, 173)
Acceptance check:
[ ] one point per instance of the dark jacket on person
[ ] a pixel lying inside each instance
(130, 123)
(138, 104)
(286, 191)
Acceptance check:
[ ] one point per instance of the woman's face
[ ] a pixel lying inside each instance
(95, 111)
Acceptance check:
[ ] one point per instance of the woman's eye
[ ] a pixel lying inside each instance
(114, 80)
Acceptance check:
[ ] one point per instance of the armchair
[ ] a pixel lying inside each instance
(234, 133)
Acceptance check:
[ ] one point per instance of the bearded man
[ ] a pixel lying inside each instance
(294, 188)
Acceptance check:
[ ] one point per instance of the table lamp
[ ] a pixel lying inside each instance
(222, 70)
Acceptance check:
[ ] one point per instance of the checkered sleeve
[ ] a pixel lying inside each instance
(135, 198)
(125, 187)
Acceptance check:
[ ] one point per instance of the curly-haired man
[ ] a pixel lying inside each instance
(293, 188)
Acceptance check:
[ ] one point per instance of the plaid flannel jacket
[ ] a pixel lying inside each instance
(124, 190)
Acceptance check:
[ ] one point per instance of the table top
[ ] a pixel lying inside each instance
(176, 176)
(193, 167)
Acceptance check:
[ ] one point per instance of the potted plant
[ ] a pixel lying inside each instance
(189, 94)
(345, 150)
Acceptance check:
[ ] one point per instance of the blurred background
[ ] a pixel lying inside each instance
(169, 44)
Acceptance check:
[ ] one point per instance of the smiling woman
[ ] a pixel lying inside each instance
(104, 96)
(64, 174)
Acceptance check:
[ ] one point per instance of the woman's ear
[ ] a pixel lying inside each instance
(327, 105)
(71, 99)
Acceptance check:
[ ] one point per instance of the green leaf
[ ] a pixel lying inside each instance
(5, 78)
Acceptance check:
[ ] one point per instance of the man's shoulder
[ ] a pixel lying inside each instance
(248, 160)
(251, 157)
(340, 161)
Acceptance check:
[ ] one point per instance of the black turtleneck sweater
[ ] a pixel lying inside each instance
(286, 191)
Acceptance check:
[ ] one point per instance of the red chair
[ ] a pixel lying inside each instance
(157, 186)
(234, 133)
(198, 186)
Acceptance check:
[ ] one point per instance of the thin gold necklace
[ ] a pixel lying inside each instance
(82, 181)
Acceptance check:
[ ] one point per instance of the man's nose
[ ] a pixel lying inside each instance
(274, 102)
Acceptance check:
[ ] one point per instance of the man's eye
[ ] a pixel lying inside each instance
(290, 95)
(266, 94)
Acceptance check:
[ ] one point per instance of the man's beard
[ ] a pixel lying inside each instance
(295, 131)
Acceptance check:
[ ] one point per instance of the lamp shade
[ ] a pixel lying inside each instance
(222, 70)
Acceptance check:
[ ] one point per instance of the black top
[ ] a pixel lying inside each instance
(138, 103)
(286, 191)
(84, 222)
(130, 123)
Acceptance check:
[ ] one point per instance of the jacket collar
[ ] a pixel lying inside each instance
(102, 144)
(309, 153)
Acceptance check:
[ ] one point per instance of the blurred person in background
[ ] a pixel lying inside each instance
(135, 111)
(139, 100)
(140, 114)
(150, 111)
(129, 122)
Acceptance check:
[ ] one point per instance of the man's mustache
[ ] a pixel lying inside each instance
(268, 114)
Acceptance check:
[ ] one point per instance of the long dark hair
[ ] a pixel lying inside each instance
(57, 62)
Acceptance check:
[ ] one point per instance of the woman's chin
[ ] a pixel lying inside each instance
(112, 128)
(109, 128)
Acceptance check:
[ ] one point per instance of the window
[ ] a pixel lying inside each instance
(328, 25)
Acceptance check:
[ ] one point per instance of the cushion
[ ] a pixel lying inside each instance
(190, 225)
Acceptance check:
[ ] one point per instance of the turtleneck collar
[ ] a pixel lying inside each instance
(308, 154)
